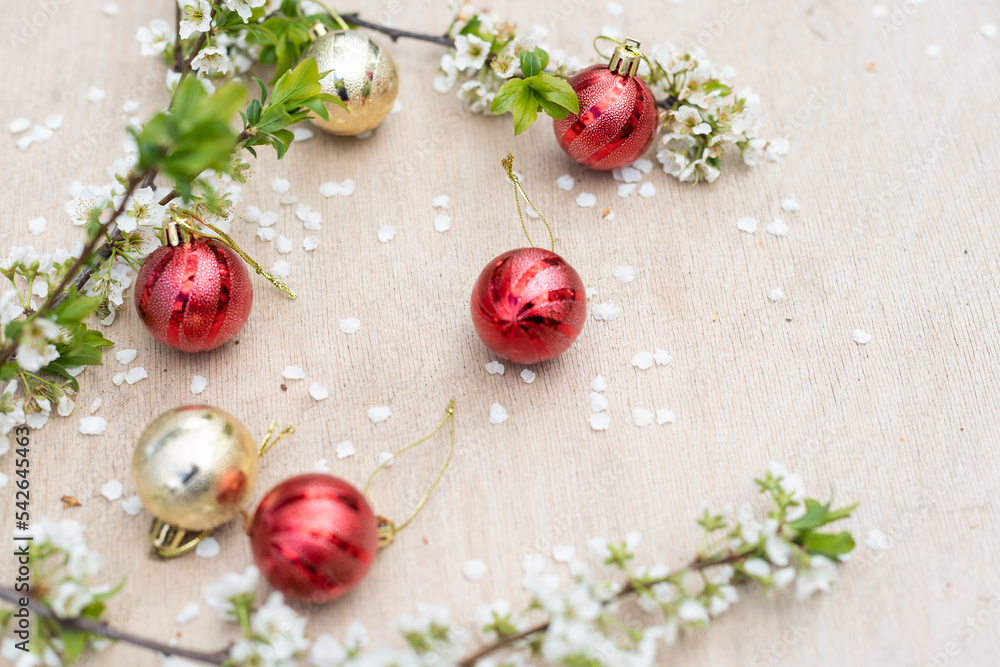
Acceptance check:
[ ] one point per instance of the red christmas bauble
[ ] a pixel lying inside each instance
(314, 537)
(616, 123)
(195, 296)
(529, 305)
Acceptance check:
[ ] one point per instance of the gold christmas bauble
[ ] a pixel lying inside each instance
(194, 467)
(361, 73)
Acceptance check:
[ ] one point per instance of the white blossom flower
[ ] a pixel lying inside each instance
(819, 575)
(220, 595)
(155, 38)
(141, 209)
(81, 208)
(776, 547)
(197, 18)
(10, 307)
(35, 350)
(470, 51)
(245, 7)
(211, 60)
(447, 74)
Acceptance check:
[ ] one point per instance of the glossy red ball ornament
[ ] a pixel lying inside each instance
(194, 296)
(529, 305)
(618, 115)
(314, 537)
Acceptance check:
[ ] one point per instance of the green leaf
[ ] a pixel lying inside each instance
(825, 544)
(814, 517)
(842, 513)
(559, 92)
(503, 101)
(75, 641)
(531, 63)
(525, 109)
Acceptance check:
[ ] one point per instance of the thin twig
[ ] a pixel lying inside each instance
(395, 33)
(104, 630)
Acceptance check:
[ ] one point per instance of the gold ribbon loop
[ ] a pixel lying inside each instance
(508, 165)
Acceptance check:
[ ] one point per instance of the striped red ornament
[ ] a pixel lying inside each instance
(618, 117)
(194, 296)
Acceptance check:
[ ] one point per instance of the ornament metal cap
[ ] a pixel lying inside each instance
(625, 59)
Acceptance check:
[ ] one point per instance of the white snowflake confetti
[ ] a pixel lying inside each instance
(441, 201)
(643, 165)
(498, 414)
(318, 391)
(647, 189)
(876, 540)
(585, 200)
(208, 548)
(664, 416)
(599, 383)
(267, 218)
(643, 360)
(345, 449)
(19, 125)
(302, 134)
(96, 404)
(606, 311)
(642, 417)
(293, 373)
(379, 413)
(36, 226)
(880, 11)
(600, 421)
(631, 175)
(474, 569)
(662, 357)
(933, 50)
(321, 466)
(96, 94)
(777, 294)
(198, 384)
(626, 274)
(597, 402)
(135, 374)
(283, 245)
(266, 233)
(54, 121)
(132, 505)
(626, 189)
(112, 489)
(310, 243)
(350, 325)
(989, 30)
(747, 224)
(528, 376)
(126, 356)
(861, 337)
(190, 612)
(281, 185)
(495, 368)
(280, 268)
(789, 205)
(387, 459)
(565, 182)
(118, 379)
(563, 553)
(442, 223)
(110, 9)
(778, 228)
(386, 234)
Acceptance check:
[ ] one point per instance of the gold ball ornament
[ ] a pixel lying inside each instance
(194, 467)
(361, 74)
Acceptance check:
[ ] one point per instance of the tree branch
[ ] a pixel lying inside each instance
(394, 33)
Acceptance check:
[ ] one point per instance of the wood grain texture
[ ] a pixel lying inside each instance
(899, 234)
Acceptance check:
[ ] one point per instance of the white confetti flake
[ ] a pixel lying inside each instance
(528, 376)
(266, 233)
(747, 224)
(283, 245)
(24, 143)
(208, 548)
(498, 414)
(280, 268)
(608, 214)
(647, 190)
(386, 459)
(778, 228)
(662, 357)
(19, 125)
(495, 368)
(876, 540)
(565, 182)
(631, 175)
(112, 489)
(96, 404)
(442, 223)
(293, 373)
(789, 205)
(267, 218)
(989, 30)
(600, 421)
(585, 200)
(190, 612)
(198, 384)
(643, 165)
(861, 337)
(4, 480)
(321, 466)
(599, 383)
(135, 374)
(379, 413)
(54, 121)
(590, 291)
(302, 134)
(318, 391)
(96, 94)
(347, 187)
(36, 225)
(616, 10)
(563, 553)
(626, 274)
(288, 200)
(310, 243)
(345, 449)
(110, 9)
(626, 189)
(441, 201)
(474, 569)
(777, 294)
(880, 11)
(597, 402)
(643, 360)
(665, 416)
(386, 234)
(281, 185)
(118, 379)
(397, 106)
(606, 311)
(329, 189)
(40, 133)
(131, 106)
(933, 50)
(132, 505)
(350, 325)
(126, 356)
(642, 417)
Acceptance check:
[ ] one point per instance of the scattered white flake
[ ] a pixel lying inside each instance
(597, 402)
(876, 540)
(662, 357)
(95, 94)
(616, 10)
(19, 125)
(40, 133)
(565, 182)
(498, 414)
(96, 404)
(266, 233)
(310, 243)
(563, 553)
(600, 421)
(789, 205)
(528, 376)
(643, 165)
(585, 200)
(647, 189)
(643, 360)
(933, 50)
(747, 224)
(379, 413)
(441, 201)
(665, 416)
(590, 291)
(24, 143)
(54, 121)
(474, 569)
(642, 417)
(880, 11)
(397, 106)
(989, 30)
(442, 223)
(626, 274)
(281, 185)
(251, 214)
(387, 459)
(599, 383)
(318, 391)
(350, 325)
(302, 134)
(347, 187)
(188, 613)
(112, 489)
(36, 226)
(288, 200)
(345, 449)
(778, 227)
(531, 213)
(631, 175)
(267, 218)
(329, 189)
(608, 214)
(532, 563)
(293, 373)
(4, 480)
(131, 106)
(110, 9)
(626, 189)
(364, 135)
(126, 356)
(861, 336)
(283, 245)
(135, 374)
(386, 233)
(208, 548)
(198, 384)
(118, 379)
(495, 368)
(321, 466)
(606, 311)
(777, 294)
(280, 268)
(132, 505)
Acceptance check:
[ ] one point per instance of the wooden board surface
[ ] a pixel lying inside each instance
(894, 157)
